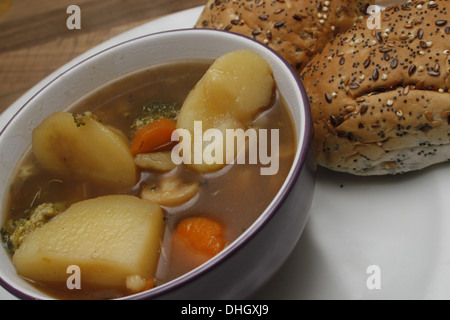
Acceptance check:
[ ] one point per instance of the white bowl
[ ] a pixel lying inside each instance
(250, 260)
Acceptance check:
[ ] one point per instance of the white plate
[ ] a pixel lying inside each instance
(367, 237)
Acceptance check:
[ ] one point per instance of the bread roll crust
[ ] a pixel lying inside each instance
(379, 98)
(296, 29)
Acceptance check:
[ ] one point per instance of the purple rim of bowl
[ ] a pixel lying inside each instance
(269, 212)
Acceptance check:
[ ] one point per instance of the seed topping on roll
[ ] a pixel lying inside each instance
(296, 29)
(379, 98)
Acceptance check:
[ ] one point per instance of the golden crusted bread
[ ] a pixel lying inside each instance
(296, 29)
(379, 98)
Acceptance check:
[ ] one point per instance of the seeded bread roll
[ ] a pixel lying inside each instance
(296, 29)
(379, 98)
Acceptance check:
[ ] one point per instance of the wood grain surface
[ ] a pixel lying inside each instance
(35, 41)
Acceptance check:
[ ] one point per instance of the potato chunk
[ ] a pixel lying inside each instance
(89, 150)
(109, 238)
(236, 87)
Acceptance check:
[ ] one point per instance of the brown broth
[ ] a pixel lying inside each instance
(220, 197)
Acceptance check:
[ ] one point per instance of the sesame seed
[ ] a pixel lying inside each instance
(435, 123)
(406, 90)
(349, 108)
(445, 114)
(434, 73)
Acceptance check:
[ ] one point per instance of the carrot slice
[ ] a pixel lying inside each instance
(152, 136)
(202, 235)
(149, 285)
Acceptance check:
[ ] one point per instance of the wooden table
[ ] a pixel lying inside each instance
(35, 40)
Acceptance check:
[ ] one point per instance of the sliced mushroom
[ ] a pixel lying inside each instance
(158, 161)
(171, 192)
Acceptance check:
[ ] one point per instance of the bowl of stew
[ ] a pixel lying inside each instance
(98, 205)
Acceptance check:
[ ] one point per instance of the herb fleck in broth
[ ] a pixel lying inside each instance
(234, 196)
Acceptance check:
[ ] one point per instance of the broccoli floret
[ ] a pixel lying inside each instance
(14, 231)
(154, 111)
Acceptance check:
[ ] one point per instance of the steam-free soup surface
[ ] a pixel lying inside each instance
(234, 196)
